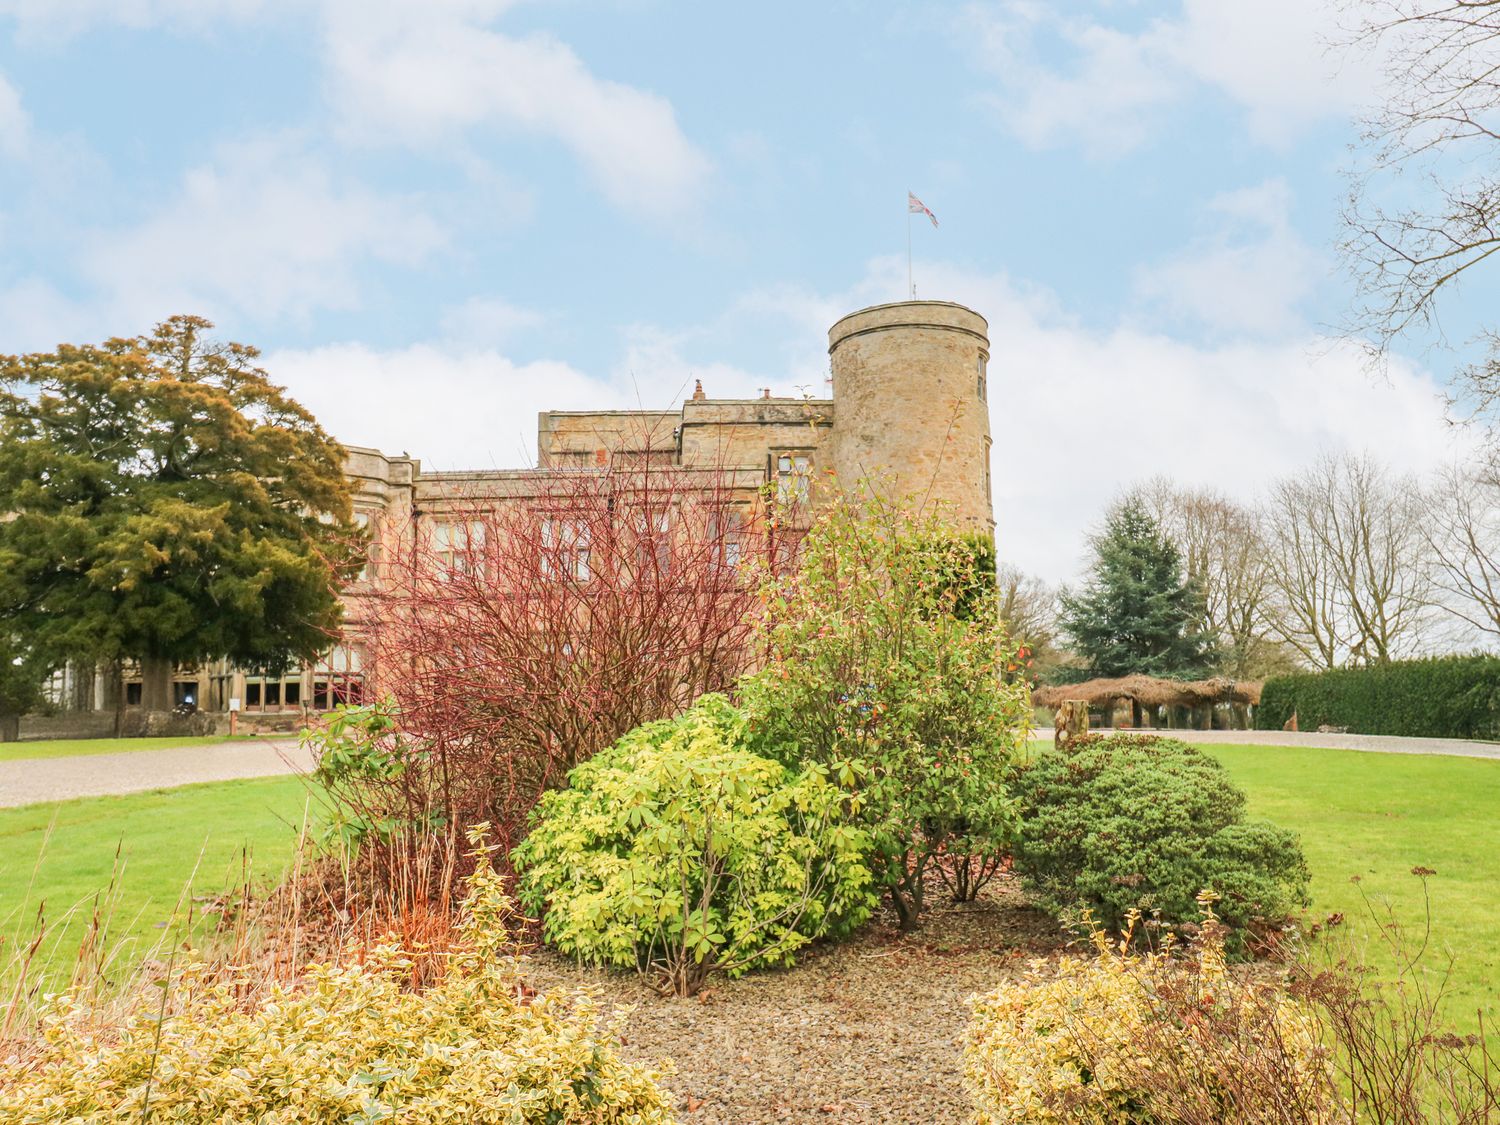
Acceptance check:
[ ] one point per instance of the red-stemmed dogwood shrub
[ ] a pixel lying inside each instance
(519, 635)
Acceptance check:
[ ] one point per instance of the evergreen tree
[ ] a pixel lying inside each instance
(1136, 612)
(166, 502)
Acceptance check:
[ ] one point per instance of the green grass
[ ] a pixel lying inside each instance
(61, 855)
(1376, 816)
(74, 747)
(1372, 815)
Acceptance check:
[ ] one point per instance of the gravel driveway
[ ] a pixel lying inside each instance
(97, 775)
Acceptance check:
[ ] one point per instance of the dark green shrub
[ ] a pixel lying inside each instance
(1445, 697)
(678, 852)
(1140, 822)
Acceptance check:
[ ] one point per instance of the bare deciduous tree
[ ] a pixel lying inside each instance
(1028, 606)
(1425, 201)
(1224, 555)
(1462, 528)
(1350, 562)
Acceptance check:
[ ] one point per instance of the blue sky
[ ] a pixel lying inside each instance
(439, 217)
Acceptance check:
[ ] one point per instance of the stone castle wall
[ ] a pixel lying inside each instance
(910, 381)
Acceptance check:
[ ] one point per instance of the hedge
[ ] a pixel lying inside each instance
(1443, 697)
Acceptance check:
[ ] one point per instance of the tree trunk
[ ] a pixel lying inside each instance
(156, 684)
(81, 697)
(10, 728)
(117, 691)
(1071, 723)
(1137, 718)
(1108, 718)
(906, 898)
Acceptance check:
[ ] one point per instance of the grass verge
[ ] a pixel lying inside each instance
(1376, 816)
(60, 858)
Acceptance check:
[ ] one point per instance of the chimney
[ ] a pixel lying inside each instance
(765, 392)
(698, 394)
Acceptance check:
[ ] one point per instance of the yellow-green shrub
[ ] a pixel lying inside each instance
(679, 853)
(346, 1044)
(1122, 1038)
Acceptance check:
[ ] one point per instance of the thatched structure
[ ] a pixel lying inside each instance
(1197, 698)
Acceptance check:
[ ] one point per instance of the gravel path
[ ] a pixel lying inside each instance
(97, 775)
(870, 1031)
(1377, 743)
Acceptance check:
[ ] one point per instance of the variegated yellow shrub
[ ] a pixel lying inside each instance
(1123, 1038)
(346, 1044)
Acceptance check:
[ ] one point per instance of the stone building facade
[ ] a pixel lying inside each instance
(909, 401)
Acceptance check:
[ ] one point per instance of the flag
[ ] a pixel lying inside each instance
(917, 207)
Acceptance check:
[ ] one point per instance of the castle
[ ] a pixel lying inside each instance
(909, 401)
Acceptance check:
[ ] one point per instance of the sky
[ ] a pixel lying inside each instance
(438, 217)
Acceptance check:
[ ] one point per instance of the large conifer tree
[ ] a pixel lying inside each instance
(1136, 611)
(165, 502)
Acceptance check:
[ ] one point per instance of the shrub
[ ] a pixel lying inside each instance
(678, 852)
(1133, 822)
(350, 1043)
(366, 766)
(1445, 697)
(884, 647)
(1121, 1038)
(520, 638)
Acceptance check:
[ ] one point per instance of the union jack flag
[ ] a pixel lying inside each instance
(917, 207)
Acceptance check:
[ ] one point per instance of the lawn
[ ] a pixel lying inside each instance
(1372, 815)
(1376, 816)
(74, 747)
(165, 838)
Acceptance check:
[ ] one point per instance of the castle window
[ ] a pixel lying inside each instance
(458, 546)
(982, 363)
(725, 532)
(362, 521)
(653, 547)
(565, 548)
(793, 478)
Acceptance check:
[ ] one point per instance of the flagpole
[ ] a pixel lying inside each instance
(911, 286)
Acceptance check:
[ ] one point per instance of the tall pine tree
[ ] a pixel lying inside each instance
(1137, 612)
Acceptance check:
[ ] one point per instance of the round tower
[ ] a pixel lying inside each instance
(910, 400)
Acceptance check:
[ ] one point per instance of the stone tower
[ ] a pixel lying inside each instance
(910, 395)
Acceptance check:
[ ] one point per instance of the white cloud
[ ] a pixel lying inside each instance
(421, 72)
(488, 321)
(1102, 101)
(1278, 59)
(34, 316)
(15, 125)
(52, 19)
(1249, 274)
(655, 372)
(266, 230)
(455, 408)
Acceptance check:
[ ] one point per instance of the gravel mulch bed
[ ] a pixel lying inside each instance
(866, 1031)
